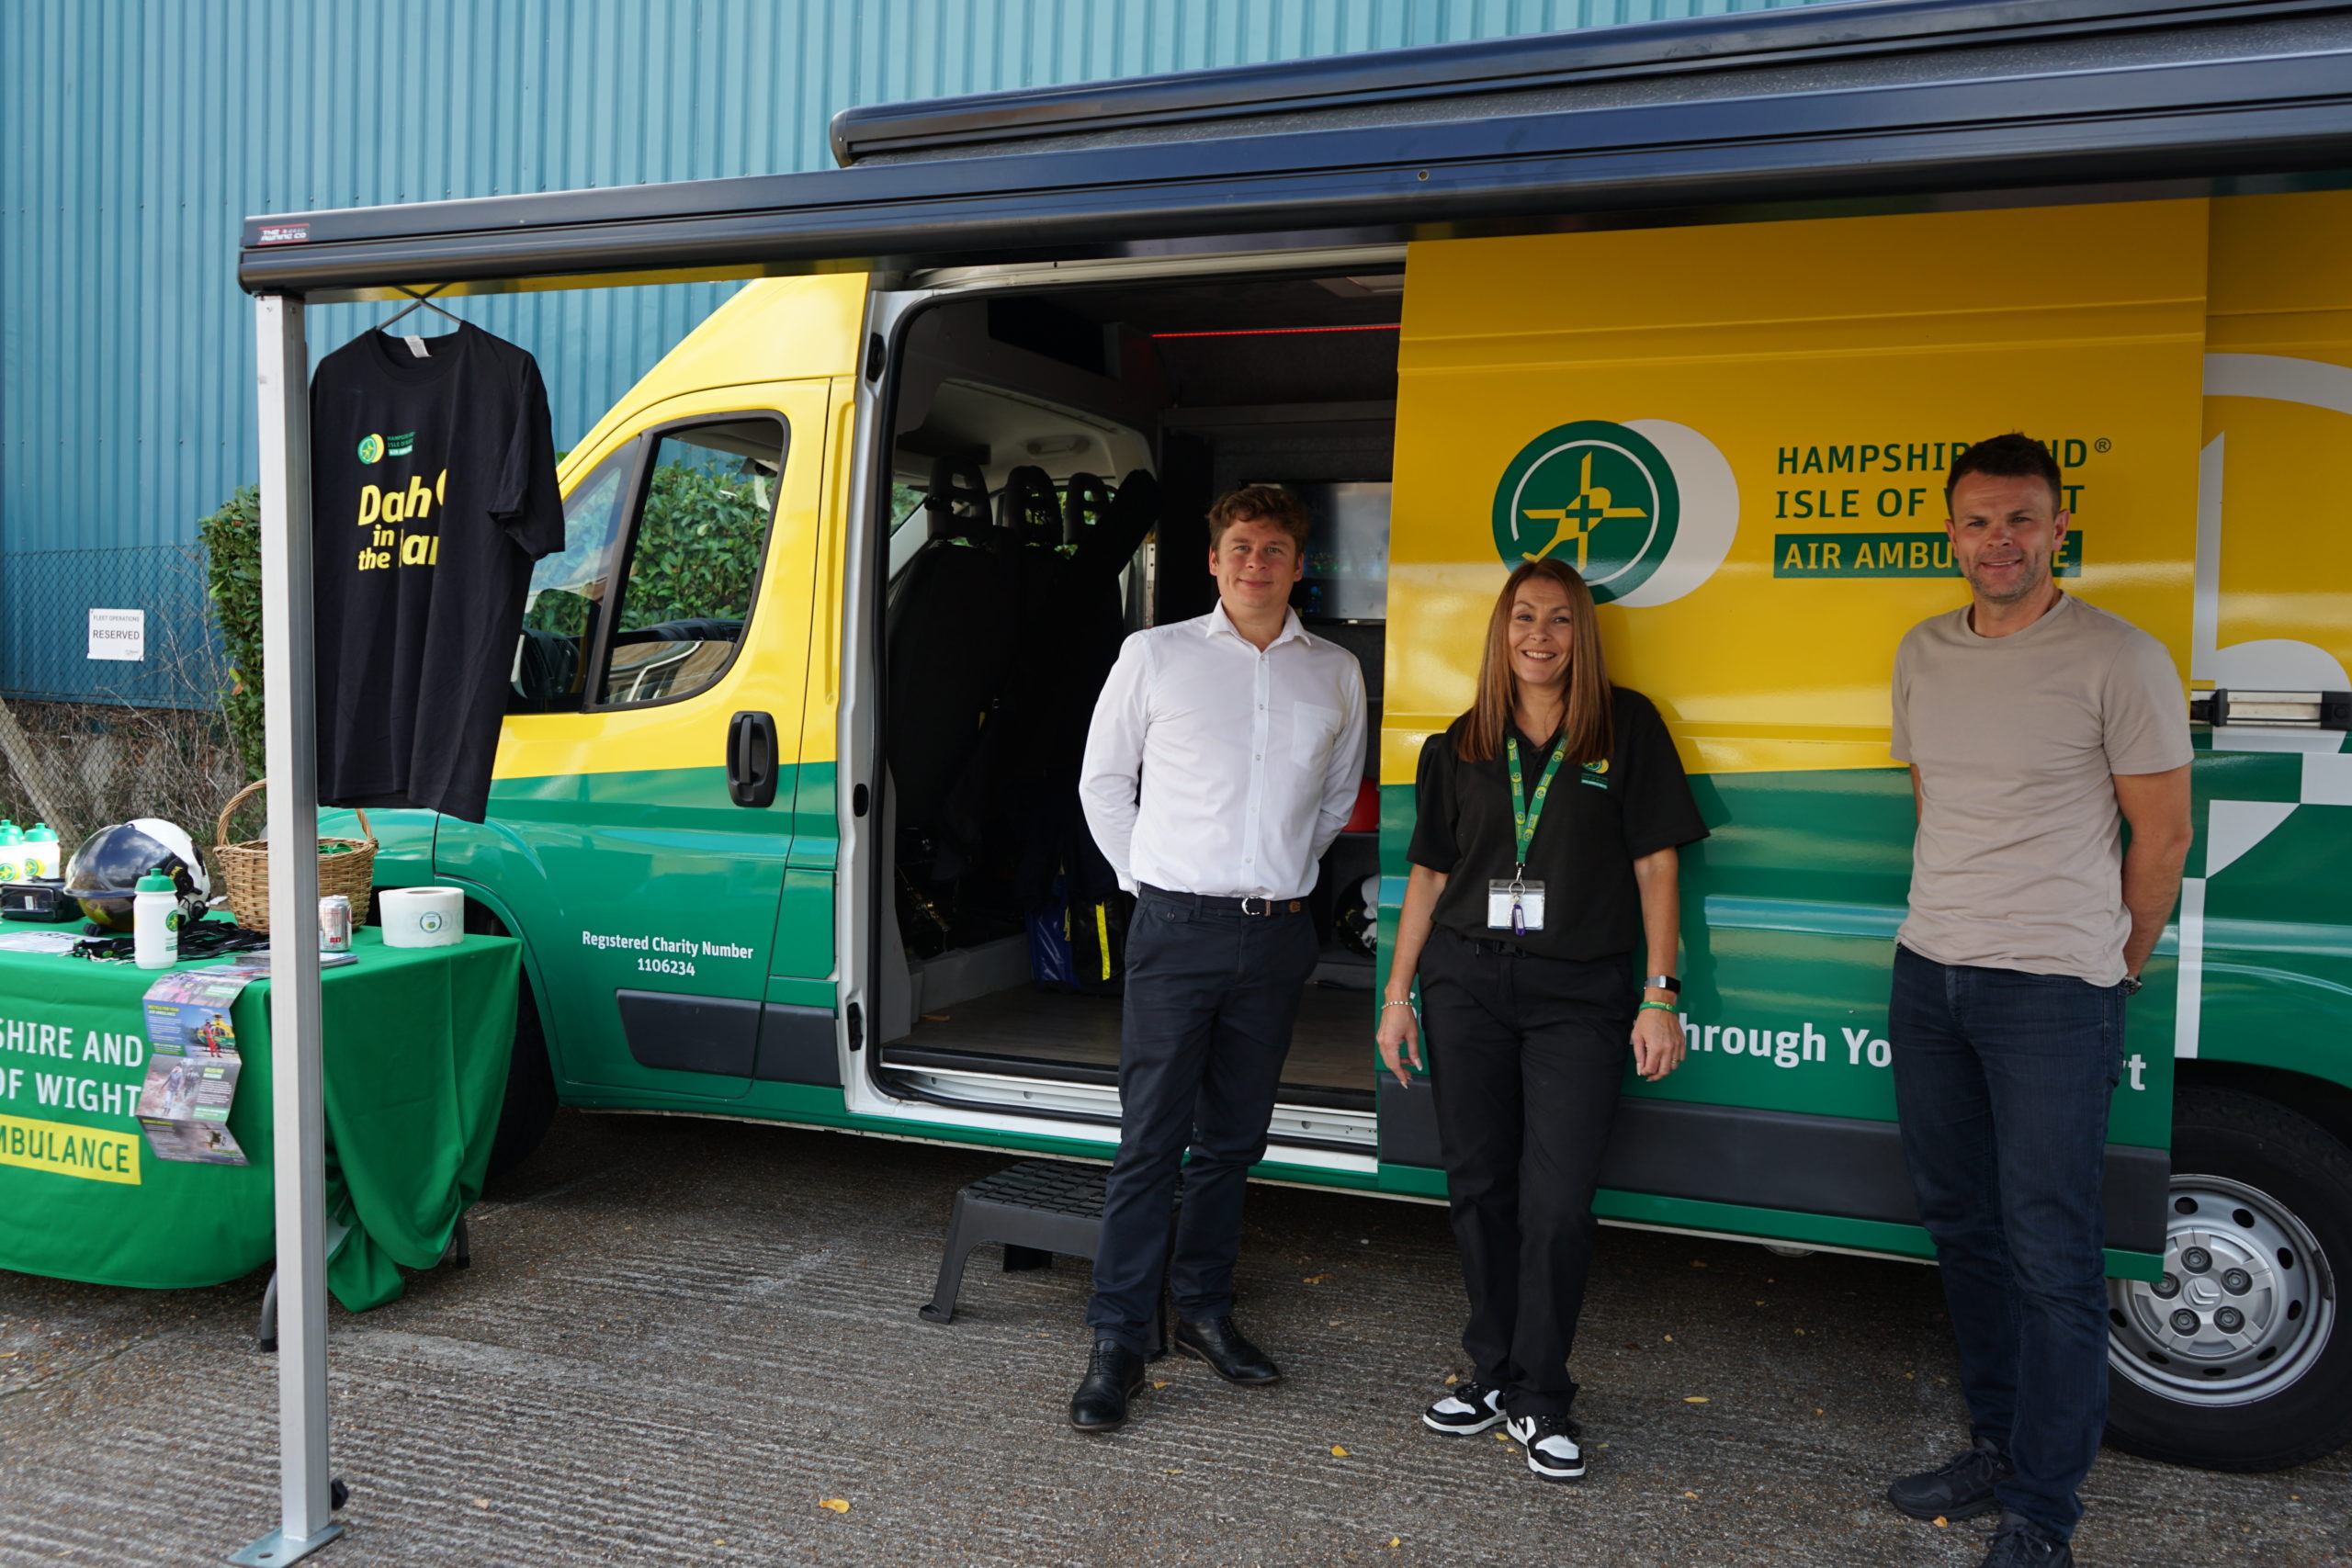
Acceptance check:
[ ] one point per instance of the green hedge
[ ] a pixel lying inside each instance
(697, 548)
(232, 539)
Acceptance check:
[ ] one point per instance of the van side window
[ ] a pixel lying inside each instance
(559, 613)
(693, 560)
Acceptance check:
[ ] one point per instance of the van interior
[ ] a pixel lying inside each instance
(1055, 455)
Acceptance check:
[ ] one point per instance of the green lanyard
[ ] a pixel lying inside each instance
(1525, 814)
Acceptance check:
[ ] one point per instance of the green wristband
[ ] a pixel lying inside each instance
(1662, 1007)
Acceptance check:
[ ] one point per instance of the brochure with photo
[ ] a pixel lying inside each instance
(201, 1143)
(193, 1066)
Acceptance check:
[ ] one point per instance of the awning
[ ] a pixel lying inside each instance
(2243, 111)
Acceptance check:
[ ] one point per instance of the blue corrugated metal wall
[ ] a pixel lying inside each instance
(134, 137)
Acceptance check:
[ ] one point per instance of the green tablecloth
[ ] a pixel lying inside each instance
(416, 1042)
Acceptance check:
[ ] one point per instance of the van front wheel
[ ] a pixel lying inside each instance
(2238, 1358)
(529, 1107)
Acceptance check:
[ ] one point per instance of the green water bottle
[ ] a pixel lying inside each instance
(12, 852)
(42, 858)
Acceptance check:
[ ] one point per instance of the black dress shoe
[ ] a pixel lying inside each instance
(1112, 1375)
(1230, 1355)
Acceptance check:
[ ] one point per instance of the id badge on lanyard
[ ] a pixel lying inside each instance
(1517, 905)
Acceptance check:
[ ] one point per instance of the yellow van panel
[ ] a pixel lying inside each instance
(820, 715)
(1793, 392)
(773, 328)
(771, 668)
(2279, 428)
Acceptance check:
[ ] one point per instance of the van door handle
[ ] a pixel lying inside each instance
(751, 759)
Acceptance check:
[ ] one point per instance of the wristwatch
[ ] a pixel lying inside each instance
(1663, 983)
(2131, 983)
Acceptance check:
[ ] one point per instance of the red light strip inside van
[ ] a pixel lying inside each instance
(1269, 332)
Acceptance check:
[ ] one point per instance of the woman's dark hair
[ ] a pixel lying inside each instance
(2011, 456)
(1587, 731)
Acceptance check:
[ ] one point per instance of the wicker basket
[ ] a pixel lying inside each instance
(245, 868)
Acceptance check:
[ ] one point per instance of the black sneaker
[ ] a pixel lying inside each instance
(2019, 1544)
(1551, 1444)
(1960, 1489)
(1468, 1410)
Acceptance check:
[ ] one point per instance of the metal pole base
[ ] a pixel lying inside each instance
(277, 1548)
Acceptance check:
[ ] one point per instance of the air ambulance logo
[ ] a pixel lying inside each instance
(1644, 511)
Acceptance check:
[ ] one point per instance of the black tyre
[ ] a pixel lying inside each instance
(2239, 1357)
(529, 1107)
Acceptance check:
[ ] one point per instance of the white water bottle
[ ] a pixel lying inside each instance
(155, 922)
(41, 854)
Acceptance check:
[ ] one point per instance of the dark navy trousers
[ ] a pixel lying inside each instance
(2002, 1080)
(1211, 998)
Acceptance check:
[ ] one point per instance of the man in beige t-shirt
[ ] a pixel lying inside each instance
(2035, 726)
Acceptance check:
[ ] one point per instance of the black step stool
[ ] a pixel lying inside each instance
(1035, 1209)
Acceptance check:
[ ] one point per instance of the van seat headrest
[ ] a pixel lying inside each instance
(957, 504)
(1028, 507)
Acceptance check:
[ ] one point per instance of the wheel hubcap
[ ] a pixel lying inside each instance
(2244, 1306)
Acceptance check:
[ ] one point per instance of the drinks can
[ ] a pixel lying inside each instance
(334, 923)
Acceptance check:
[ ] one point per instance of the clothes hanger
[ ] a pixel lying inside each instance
(423, 302)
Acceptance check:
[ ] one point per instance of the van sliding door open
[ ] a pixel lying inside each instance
(1038, 461)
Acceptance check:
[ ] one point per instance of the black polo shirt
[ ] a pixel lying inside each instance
(1597, 821)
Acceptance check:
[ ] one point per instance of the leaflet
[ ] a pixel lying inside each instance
(37, 941)
(193, 1067)
(202, 1142)
(188, 1010)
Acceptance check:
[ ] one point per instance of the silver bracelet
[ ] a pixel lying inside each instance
(1386, 1006)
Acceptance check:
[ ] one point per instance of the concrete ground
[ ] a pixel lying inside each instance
(683, 1340)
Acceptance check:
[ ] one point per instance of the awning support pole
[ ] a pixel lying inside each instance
(289, 726)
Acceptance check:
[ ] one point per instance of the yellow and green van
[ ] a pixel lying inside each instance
(1736, 432)
(782, 812)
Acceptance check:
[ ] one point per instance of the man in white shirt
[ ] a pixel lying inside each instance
(1225, 756)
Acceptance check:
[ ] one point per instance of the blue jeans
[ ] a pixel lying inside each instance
(1211, 998)
(2002, 1080)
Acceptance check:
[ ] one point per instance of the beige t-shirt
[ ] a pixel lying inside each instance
(2019, 862)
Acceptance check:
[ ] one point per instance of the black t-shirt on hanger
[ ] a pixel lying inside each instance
(433, 490)
(1597, 821)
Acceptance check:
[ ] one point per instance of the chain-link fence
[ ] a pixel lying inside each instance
(78, 766)
(46, 598)
(88, 741)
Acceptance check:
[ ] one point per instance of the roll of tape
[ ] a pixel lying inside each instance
(423, 917)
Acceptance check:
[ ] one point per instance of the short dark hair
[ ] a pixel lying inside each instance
(2011, 456)
(1269, 505)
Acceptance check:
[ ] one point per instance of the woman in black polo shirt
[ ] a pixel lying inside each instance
(1544, 853)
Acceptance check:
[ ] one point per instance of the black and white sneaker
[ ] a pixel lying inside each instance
(1551, 1444)
(1469, 1409)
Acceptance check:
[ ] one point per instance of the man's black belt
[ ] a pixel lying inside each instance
(1212, 904)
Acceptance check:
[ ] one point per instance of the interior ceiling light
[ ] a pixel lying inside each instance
(1269, 332)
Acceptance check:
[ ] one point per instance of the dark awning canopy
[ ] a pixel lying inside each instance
(2263, 103)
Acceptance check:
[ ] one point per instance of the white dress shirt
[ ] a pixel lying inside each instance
(1212, 767)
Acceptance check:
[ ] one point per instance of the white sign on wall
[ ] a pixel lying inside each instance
(118, 634)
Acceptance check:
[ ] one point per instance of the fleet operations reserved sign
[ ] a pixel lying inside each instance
(118, 634)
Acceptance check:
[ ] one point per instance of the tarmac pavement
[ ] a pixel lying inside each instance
(688, 1340)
